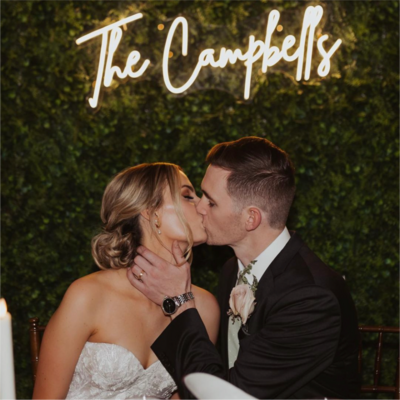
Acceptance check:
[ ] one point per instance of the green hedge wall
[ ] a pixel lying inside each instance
(58, 155)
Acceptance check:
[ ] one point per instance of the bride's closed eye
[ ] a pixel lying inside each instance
(188, 197)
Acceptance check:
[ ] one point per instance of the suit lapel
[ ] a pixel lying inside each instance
(266, 284)
(278, 266)
(265, 288)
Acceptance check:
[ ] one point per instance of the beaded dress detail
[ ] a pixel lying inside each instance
(110, 371)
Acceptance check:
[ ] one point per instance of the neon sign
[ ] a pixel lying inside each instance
(112, 34)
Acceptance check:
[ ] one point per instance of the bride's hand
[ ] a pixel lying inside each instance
(157, 278)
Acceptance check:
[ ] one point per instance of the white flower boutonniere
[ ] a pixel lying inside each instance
(241, 303)
(242, 300)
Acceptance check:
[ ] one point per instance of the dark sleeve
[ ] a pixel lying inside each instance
(297, 342)
(184, 347)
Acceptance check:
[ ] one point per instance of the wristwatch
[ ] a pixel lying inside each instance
(171, 304)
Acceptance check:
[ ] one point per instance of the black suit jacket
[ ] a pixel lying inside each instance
(301, 341)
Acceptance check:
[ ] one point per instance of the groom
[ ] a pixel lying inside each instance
(301, 338)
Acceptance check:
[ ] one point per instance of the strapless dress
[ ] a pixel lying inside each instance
(110, 371)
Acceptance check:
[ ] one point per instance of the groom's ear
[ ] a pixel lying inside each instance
(253, 218)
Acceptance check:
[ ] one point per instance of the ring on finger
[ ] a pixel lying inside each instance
(139, 278)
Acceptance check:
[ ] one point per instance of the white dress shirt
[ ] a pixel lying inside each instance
(264, 260)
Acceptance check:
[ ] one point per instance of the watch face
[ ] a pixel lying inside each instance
(169, 306)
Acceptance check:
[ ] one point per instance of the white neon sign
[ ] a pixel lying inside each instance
(111, 36)
(257, 49)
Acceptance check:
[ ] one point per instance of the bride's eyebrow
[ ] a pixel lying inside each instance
(189, 187)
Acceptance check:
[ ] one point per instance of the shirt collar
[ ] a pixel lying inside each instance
(265, 259)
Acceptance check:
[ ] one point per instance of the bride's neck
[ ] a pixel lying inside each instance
(160, 247)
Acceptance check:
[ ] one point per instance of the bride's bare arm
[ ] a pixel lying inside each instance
(65, 335)
(208, 309)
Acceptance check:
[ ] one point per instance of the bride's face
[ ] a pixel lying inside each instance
(171, 227)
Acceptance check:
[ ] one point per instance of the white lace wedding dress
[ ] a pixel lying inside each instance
(109, 371)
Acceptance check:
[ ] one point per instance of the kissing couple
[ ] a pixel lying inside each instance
(287, 323)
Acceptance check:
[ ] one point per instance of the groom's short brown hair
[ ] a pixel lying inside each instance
(261, 175)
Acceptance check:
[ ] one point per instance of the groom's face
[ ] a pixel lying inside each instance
(221, 220)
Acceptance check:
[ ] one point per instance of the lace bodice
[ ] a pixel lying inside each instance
(109, 371)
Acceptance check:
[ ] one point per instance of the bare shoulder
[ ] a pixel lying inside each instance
(208, 308)
(204, 298)
(80, 306)
(85, 291)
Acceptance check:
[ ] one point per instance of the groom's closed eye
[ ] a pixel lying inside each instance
(211, 202)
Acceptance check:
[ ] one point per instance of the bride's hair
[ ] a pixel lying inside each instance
(132, 191)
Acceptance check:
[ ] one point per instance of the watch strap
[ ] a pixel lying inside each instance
(183, 298)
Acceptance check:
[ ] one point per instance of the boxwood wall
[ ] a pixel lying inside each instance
(58, 155)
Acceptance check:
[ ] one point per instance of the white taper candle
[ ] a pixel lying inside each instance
(7, 382)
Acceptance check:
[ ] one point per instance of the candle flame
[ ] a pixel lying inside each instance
(3, 308)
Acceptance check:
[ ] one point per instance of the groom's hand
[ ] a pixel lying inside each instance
(157, 278)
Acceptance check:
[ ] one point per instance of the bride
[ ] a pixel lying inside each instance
(97, 344)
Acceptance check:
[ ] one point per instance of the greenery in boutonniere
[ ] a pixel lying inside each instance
(243, 279)
(242, 300)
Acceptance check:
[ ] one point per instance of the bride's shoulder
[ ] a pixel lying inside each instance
(204, 298)
(87, 289)
(86, 298)
(208, 309)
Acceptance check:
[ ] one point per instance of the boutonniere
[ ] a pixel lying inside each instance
(242, 300)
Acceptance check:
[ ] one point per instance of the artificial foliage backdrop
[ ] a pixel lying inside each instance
(58, 154)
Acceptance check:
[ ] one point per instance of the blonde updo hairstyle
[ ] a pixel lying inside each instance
(131, 192)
